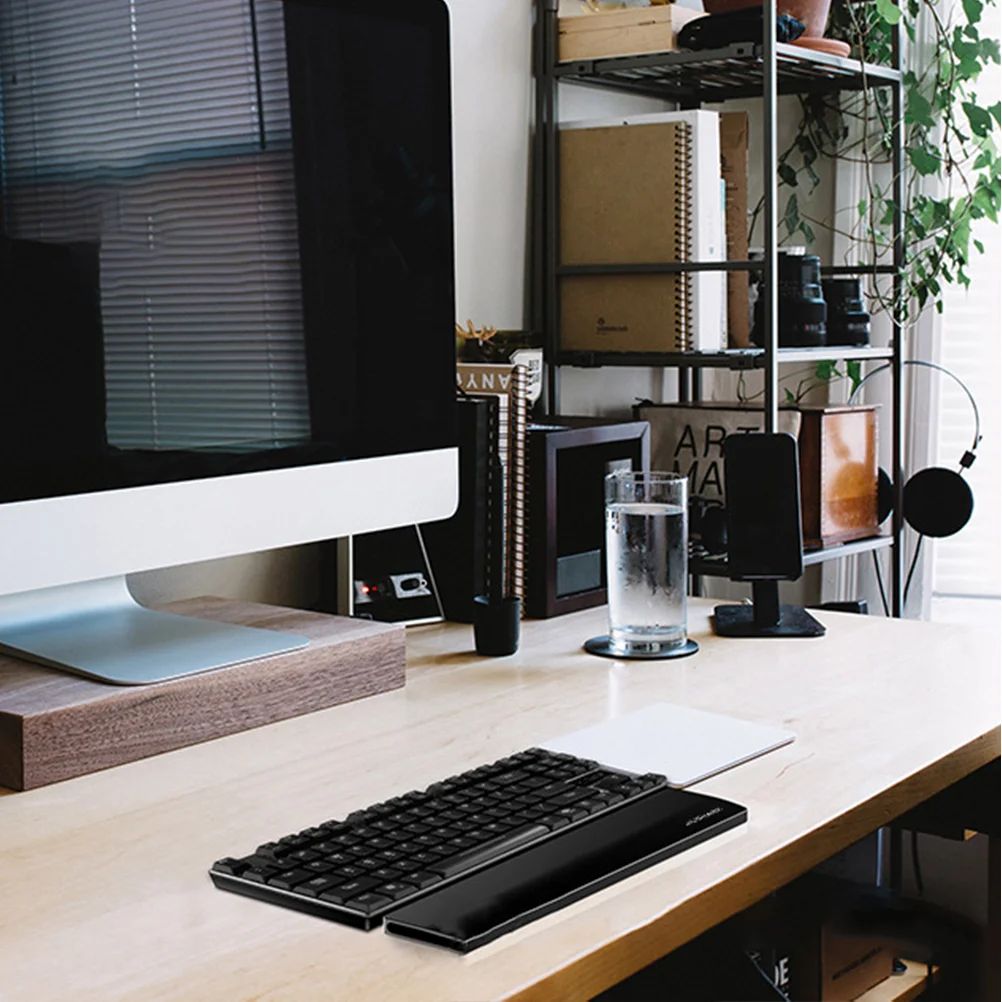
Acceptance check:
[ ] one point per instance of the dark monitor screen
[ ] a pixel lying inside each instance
(226, 240)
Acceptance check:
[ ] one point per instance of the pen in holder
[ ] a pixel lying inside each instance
(497, 615)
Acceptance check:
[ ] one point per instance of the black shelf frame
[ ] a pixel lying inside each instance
(736, 359)
(718, 568)
(764, 69)
(735, 71)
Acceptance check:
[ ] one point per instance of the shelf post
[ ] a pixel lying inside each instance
(897, 338)
(770, 304)
(546, 210)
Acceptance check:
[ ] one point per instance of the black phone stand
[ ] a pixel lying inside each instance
(765, 617)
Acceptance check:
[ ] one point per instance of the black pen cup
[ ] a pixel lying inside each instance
(496, 625)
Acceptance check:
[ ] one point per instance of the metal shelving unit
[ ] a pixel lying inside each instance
(765, 69)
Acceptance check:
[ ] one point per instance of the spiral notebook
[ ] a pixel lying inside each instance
(641, 190)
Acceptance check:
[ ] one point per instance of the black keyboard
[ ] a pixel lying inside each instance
(386, 857)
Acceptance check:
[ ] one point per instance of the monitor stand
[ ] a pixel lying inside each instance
(765, 617)
(97, 629)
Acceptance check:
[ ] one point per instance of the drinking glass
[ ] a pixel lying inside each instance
(646, 538)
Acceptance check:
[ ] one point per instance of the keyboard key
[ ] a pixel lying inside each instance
(368, 902)
(360, 885)
(233, 867)
(303, 856)
(422, 879)
(257, 862)
(260, 874)
(395, 890)
(554, 821)
(489, 850)
(571, 813)
(318, 866)
(316, 886)
(339, 858)
(568, 797)
(349, 872)
(592, 804)
(285, 880)
(426, 857)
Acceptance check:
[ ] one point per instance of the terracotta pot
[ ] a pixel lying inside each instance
(813, 13)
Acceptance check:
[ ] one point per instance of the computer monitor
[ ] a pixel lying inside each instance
(226, 303)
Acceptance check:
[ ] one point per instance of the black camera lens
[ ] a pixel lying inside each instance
(848, 321)
(802, 309)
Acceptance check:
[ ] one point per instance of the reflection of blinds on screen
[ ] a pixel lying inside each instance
(160, 129)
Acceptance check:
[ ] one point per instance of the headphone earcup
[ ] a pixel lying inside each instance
(885, 497)
(937, 502)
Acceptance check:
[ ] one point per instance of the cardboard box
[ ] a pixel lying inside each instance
(689, 438)
(628, 32)
(809, 937)
(851, 964)
(734, 170)
(838, 474)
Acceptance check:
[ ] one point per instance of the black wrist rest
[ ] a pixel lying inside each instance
(564, 868)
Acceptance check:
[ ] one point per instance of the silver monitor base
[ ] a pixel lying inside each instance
(97, 629)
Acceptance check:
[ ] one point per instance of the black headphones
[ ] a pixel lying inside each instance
(936, 501)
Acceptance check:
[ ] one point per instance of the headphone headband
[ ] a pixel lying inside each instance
(968, 458)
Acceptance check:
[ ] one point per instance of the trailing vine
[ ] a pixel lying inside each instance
(950, 138)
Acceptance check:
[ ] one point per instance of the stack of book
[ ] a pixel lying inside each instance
(481, 549)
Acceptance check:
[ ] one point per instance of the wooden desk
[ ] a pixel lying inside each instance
(103, 886)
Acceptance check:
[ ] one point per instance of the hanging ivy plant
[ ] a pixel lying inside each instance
(950, 137)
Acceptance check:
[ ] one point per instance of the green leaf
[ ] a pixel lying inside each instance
(787, 175)
(973, 9)
(854, 370)
(790, 399)
(826, 370)
(980, 118)
(979, 245)
(889, 12)
(922, 160)
(990, 50)
(792, 216)
(995, 111)
(807, 149)
(862, 206)
(919, 110)
(807, 232)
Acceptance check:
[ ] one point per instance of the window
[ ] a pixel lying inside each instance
(967, 565)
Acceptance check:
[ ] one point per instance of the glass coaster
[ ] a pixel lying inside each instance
(603, 647)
